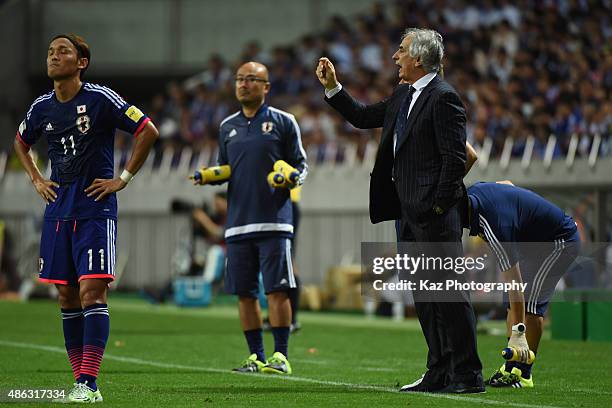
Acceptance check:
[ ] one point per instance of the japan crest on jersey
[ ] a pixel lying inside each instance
(266, 127)
(83, 124)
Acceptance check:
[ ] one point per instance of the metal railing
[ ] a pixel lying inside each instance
(183, 160)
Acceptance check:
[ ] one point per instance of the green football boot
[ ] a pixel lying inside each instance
(82, 394)
(278, 364)
(513, 379)
(250, 365)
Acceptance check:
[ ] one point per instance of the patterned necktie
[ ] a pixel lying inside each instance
(402, 117)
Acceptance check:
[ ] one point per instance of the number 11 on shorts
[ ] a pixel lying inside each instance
(90, 253)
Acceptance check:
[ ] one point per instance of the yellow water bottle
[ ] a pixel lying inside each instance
(207, 175)
(289, 172)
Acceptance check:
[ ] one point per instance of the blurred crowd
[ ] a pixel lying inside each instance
(524, 68)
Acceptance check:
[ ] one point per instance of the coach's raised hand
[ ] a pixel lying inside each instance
(327, 73)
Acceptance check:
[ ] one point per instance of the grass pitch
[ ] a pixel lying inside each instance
(160, 356)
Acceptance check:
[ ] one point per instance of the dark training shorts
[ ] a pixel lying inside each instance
(247, 258)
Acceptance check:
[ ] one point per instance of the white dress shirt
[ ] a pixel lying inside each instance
(418, 86)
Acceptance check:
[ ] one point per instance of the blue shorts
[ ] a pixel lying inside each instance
(73, 250)
(542, 267)
(245, 259)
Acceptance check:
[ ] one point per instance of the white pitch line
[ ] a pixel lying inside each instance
(159, 364)
(116, 358)
(327, 363)
(380, 369)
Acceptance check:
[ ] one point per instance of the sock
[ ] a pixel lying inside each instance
(97, 328)
(509, 364)
(294, 299)
(524, 367)
(254, 339)
(72, 322)
(281, 339)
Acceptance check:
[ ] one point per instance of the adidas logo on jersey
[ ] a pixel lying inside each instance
(49, 127)
(232, 133)
(283, 281)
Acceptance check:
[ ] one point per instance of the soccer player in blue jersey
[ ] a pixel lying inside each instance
(259, 224)
(77, 251)
(533, 241)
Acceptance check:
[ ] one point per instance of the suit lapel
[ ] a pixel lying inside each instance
(394, 107)
(418, 105)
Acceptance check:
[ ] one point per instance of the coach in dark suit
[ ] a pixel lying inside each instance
(417, 178)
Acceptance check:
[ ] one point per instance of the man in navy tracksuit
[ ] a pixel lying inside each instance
(533, 240)
(259, 225)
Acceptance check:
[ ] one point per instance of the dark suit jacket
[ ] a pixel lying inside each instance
(429, 166)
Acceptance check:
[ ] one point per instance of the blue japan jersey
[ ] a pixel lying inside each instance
(251, 146)
(504, 215)
(81, 136)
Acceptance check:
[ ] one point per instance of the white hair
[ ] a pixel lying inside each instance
(426, 45)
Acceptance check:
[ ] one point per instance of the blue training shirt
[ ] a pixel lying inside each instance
(251, 146)
(81, 137)
(504, 215)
